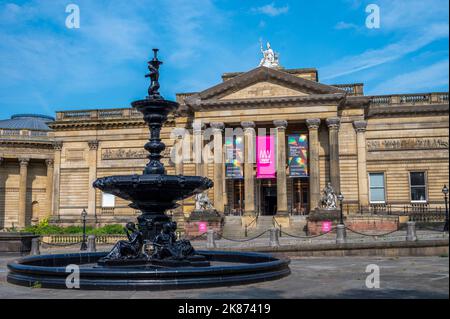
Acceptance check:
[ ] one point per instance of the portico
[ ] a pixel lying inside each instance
(275, 103)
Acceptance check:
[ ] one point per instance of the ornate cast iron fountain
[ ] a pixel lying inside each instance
(154, 191)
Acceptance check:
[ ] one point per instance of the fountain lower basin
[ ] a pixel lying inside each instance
(227, 269)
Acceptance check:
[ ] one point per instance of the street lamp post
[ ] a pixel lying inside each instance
(340, 197)
(83, 242)
(445, 192)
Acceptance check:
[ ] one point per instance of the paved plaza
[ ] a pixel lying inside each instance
(335, 277)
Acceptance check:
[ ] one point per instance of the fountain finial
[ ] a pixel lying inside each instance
(153, 67)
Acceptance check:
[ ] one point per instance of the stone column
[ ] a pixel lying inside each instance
(49, 186)
(180, 134)
(198, 148)
(56, 177)
(282, 208)
(218, 166)
(23, 162)
(92, 163)
(333, 129)
(249, 178)
(363, 188)
(314, 169)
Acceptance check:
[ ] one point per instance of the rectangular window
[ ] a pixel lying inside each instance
(418, 188)
(377, 191)
(108, 200)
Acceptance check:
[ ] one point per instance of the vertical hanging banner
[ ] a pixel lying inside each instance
(234, 157)
(265, 157)
(298, 155)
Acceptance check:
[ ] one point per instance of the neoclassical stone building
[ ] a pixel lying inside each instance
(379, 151)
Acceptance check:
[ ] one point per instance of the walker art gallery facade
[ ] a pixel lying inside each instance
(379, 151)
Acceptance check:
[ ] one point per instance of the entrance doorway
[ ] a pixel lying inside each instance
(300, 198)
(268, 197)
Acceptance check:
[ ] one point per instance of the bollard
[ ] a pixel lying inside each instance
(274, 241)
(411, 231)
(340, 234)
(35, 242)
(91, 244)
(210, 240)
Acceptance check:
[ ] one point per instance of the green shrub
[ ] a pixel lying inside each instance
(44, 228)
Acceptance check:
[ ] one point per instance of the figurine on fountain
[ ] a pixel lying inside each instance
(127, 249)
(166, 245)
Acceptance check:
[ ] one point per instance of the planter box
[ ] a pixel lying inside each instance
(16, 242)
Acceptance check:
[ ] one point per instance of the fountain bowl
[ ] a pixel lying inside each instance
(232, 268)
(154, 193)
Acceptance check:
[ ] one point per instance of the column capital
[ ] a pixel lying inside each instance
(248, 125)
(57, 145)
(360, 126)
(280, 124)
(217, 126)
(49, 162)
(313, 124)
(24, 161)
(93, 145)
(198, 127)
(333, 123)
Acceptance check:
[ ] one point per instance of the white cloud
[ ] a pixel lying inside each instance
(413, 24)
(424, 79)
(271, 10)
(391, 52)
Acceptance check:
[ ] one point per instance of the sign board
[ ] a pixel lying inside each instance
(265, 157)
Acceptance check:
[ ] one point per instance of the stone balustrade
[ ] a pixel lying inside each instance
(25, 134)
(410, 99)
(104, 114)
(354, 89)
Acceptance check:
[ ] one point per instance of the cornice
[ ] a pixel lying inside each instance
(315, 99)
(27, 143)
(103, 124)
(391, 110)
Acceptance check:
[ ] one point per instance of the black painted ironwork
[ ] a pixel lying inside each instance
(154, 192)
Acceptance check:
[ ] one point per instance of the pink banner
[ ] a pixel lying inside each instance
(265, 157)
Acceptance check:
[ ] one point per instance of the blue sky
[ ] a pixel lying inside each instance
(46, 67)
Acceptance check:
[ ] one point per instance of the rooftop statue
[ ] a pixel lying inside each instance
(270, 58)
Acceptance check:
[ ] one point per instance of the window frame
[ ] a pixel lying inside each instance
(384, 188)
(103, 200)
(411, 187)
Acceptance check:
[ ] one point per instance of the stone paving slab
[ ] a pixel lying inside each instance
(334, 277)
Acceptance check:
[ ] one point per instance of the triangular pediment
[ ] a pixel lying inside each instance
(264, 82)
(263, 89)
